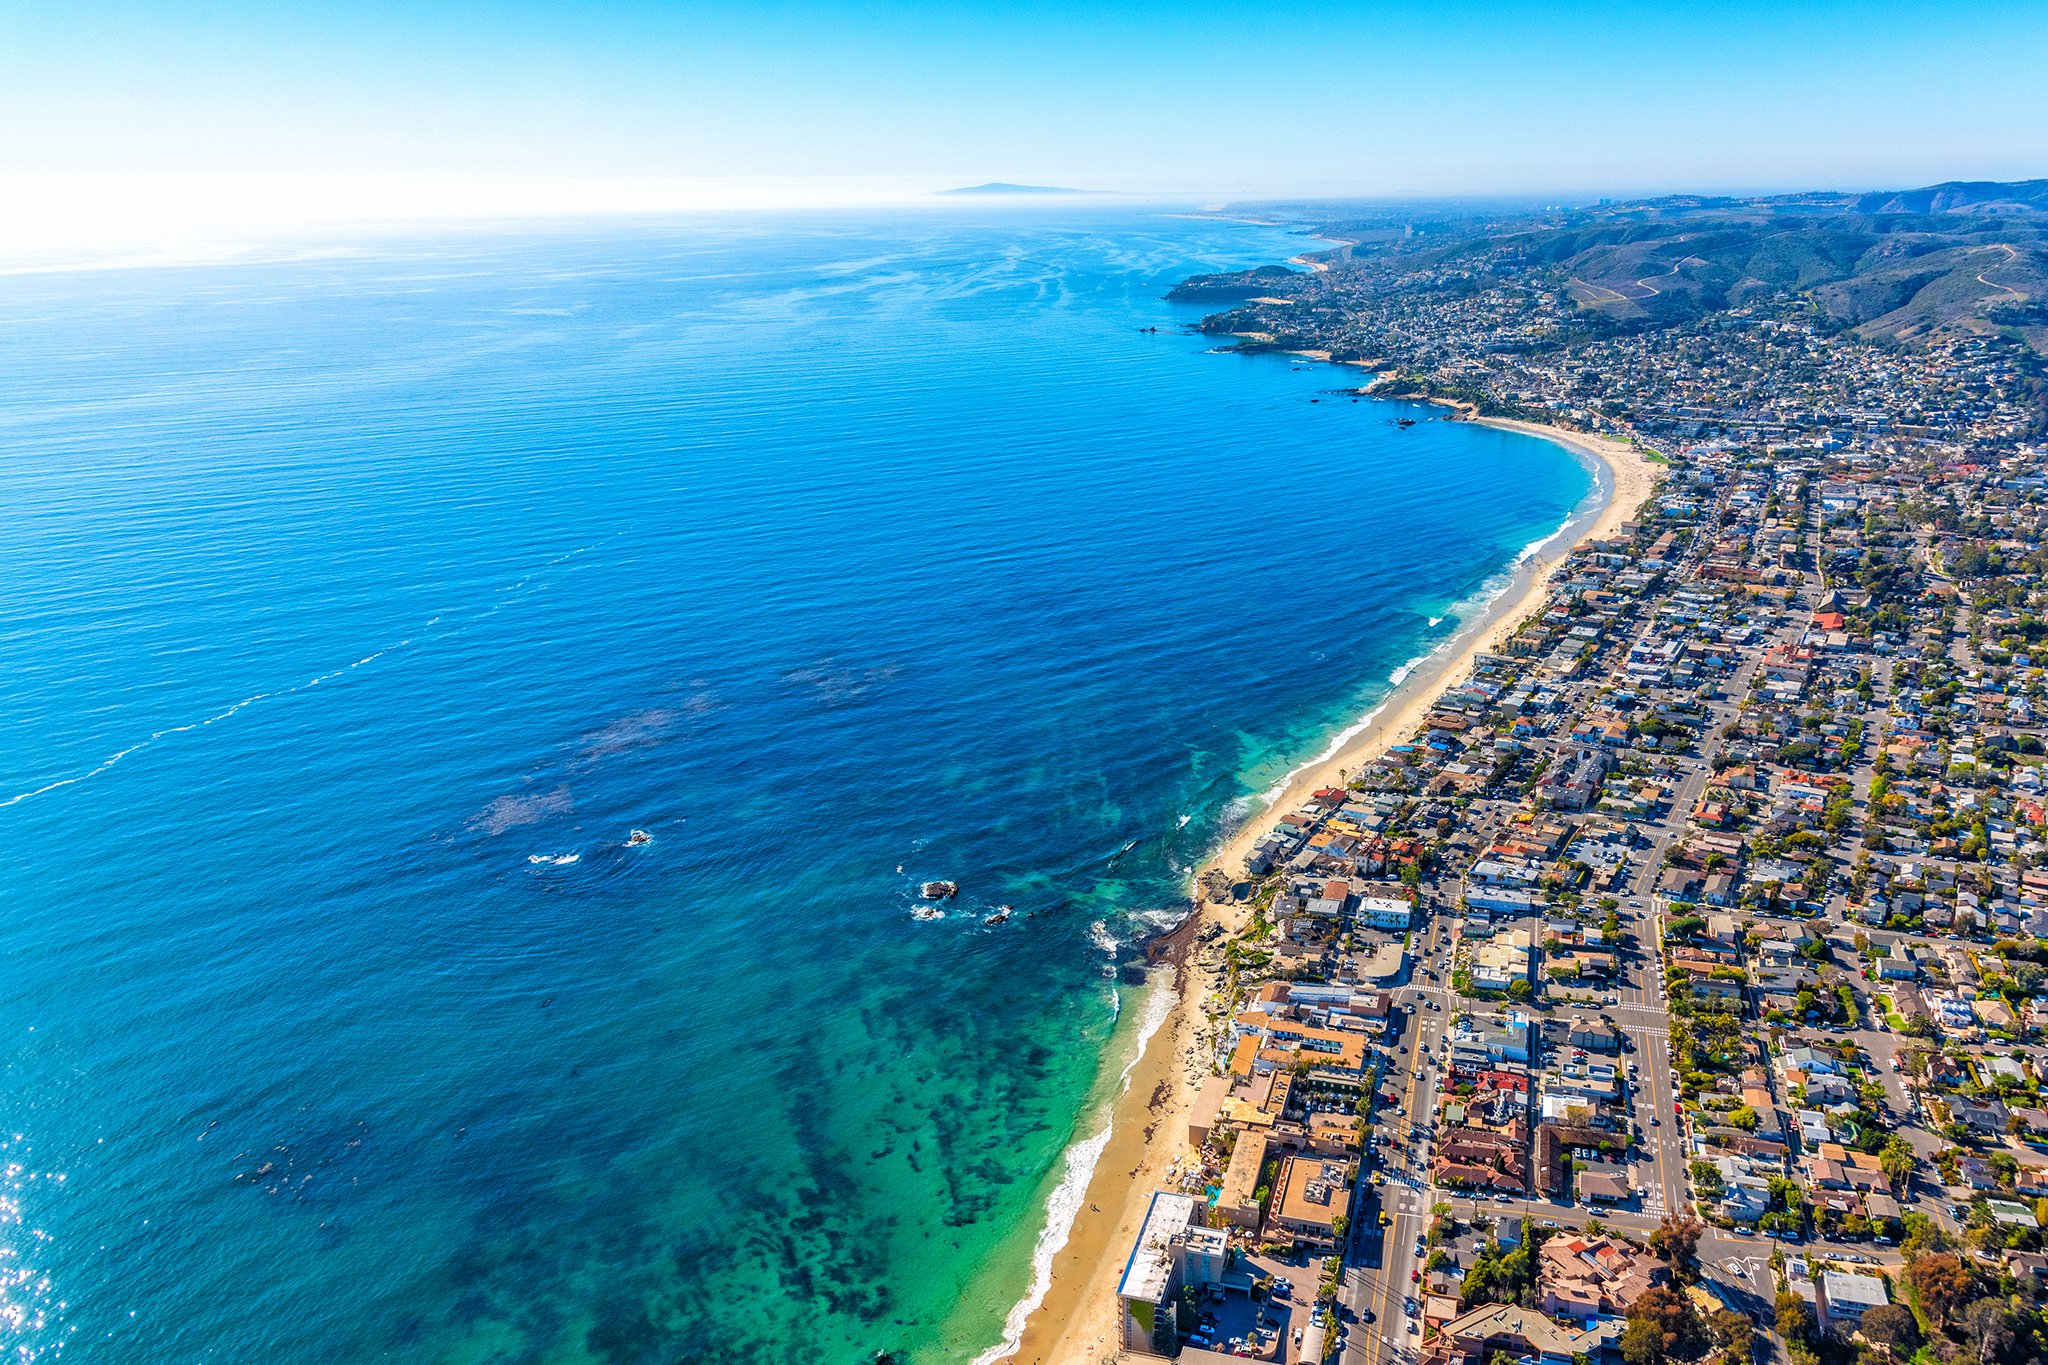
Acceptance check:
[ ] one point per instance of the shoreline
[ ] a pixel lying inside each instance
(1074, 1320)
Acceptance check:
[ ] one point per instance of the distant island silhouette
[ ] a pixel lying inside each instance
(997, 187)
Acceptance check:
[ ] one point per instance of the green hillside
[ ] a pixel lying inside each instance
(1959, 256)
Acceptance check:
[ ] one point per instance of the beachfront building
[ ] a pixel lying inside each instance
(1237, 1202)
(1272, 1041)
(1173, 1249)
(1208, 1103)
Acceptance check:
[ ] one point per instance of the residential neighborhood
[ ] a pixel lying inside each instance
(1683, 975)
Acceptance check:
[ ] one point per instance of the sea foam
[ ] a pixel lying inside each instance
(1064, 1204)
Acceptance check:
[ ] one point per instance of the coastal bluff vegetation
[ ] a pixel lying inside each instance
(1240, 284)
(1889, 267)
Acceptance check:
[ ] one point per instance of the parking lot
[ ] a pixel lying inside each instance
(1263, 1331)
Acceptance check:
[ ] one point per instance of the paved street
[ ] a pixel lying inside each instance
(1382, 1291)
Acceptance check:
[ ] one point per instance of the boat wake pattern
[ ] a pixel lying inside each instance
(279, 693)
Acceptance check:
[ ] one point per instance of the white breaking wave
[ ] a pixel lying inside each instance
(1350, 732)
(1063, 1205)
(1470, 609)
(1099, 932)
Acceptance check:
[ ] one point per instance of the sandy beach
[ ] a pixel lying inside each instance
(1076, 1323)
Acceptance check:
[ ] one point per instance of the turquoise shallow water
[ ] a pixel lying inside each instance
(355, 594)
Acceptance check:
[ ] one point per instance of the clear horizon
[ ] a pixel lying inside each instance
(126, 114)
(1604, 95)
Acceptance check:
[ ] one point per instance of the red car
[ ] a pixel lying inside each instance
(1677, 1109)
(1415, 1275)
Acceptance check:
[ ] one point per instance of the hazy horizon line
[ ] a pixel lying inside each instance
(87, 217)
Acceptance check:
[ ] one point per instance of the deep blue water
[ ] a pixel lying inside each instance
(343, 587)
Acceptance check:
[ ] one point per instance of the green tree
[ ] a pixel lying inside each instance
(1664, 1324)
(1893, 1325)
(1677, 1240)
(1736, 1336)
(1944, 1283)
(1795, 1319)
(1642, 1343)
(1897, 1160)
(1165, 1335)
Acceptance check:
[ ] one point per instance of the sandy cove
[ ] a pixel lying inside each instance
(1076, 1323)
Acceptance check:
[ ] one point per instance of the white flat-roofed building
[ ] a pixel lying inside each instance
(1383, 912)
(1153, 1274)
(1846, 1298)
(1500, 901)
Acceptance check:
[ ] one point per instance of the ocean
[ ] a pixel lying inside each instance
(365, 596)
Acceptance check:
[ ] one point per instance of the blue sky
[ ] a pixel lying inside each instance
(1204, 99)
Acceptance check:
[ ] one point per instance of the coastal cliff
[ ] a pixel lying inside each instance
(1238, 284)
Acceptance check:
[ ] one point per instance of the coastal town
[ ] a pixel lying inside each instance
(1674, 987)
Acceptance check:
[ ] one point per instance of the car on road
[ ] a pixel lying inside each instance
(1653, 1122)
(1418, 1246)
